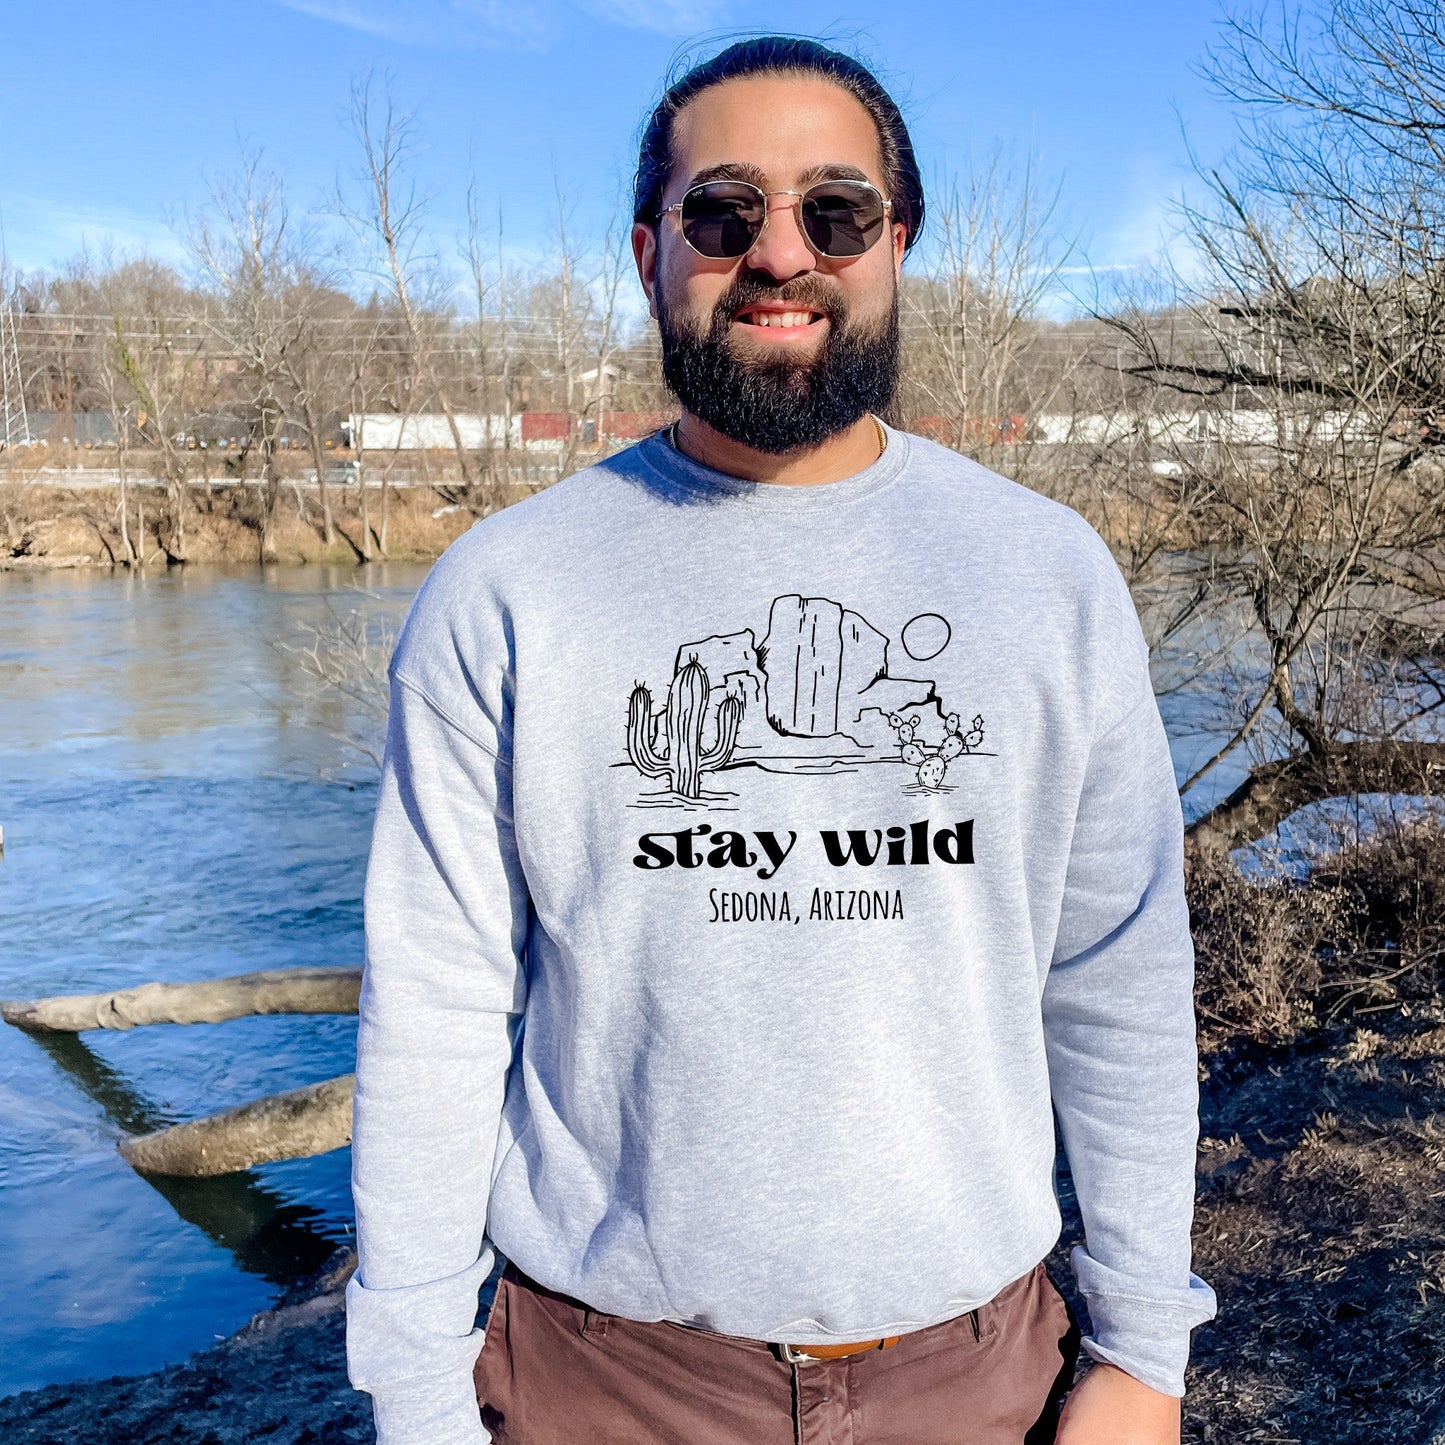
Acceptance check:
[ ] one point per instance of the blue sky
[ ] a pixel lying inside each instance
(112, 116)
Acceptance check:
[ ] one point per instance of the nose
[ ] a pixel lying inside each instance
(781, 251)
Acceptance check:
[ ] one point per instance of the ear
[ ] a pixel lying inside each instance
(644, 252)
(900, 241)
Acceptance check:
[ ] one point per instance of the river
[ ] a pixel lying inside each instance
(174, 808)
(176, 805)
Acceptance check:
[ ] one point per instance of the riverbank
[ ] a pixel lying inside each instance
(280, 1378)
(44, 525)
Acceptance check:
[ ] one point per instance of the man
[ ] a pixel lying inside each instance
(776, 829)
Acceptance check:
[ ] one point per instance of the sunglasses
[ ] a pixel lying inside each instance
(723, 219)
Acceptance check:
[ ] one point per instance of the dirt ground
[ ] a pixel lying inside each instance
(1320, 1223)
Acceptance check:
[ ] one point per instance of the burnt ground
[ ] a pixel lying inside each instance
(1320, 1223)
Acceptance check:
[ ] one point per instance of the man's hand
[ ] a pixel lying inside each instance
(1110, 1407)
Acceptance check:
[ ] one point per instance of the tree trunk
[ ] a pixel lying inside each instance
(366, 543)
(321, 990)
(299, 1122)
(270, 491)
(318, 455)
(125, 520)
(1275, 790)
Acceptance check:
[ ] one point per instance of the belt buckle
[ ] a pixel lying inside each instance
(798, 1357)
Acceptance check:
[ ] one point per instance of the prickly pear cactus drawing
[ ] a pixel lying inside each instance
(685, 760)
(932, 764)
(970, 741)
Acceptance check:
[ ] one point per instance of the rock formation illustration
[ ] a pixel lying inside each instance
(816, 695)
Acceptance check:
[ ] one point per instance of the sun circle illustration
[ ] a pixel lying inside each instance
(925, 636)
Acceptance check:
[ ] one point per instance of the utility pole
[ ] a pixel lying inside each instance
(14, 422)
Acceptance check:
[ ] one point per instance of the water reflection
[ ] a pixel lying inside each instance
(176, 671)
(267, 1236)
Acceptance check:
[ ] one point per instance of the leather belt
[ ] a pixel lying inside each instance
(811, 1354)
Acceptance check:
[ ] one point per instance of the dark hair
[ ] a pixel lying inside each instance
(774, 55)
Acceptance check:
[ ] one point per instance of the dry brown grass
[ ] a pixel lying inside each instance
(1321, 1225)
(1276, 959)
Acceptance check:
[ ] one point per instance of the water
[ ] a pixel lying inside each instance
(177, 805)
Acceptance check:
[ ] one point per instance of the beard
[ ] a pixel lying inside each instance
(781, 404)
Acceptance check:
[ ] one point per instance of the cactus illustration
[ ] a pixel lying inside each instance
(931, 771)
(932, 762)
(685, 760)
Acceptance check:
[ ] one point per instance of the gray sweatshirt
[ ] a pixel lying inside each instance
(753, 867)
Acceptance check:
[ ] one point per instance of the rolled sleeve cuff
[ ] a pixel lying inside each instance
(428, 1410)
(1145, 1332)
(392, 1332)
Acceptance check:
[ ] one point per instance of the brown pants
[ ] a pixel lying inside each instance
(554, 1372)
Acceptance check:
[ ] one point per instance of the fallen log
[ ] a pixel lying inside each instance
(305, 1121)
(1274, 790)
(322, 990)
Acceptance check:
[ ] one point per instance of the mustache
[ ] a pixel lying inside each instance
(813, 292)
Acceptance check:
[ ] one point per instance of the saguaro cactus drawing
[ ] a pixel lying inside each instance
(685, 761)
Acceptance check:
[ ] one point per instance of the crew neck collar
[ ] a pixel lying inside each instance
(676, 466)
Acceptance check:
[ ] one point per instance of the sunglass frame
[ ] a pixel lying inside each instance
(765, 197)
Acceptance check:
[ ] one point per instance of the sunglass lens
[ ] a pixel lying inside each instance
(722, 218)
(842, 219)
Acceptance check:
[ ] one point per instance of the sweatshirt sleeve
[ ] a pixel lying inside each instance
(1120, 1036)
(446, 910)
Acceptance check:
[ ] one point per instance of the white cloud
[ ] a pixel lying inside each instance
(670, 17)
(502, 24)
(441, 23)
(1136, 255)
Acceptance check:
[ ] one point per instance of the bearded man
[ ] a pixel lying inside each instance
(776, 833)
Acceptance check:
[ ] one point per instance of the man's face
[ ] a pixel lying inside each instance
(773, 387)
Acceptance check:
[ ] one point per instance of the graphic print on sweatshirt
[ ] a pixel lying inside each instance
(824, 692)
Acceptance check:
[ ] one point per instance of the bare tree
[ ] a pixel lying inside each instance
(148, 370)
(493, 354)
(345, 659)
(1316, 365)
(318, 372)
(389, 220)
(976, 353)
(242, 246)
